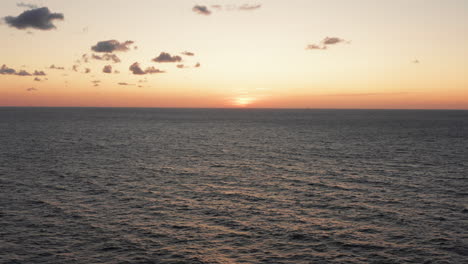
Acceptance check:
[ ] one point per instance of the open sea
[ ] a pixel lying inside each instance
(111, 185)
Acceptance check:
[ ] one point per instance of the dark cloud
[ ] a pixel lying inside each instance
(30, 6)
(53, 67)
(110, 46)
(39, 18)
(96, 82)
(123, 83)
(332, 41)
(9, 71)
(137, 70)
(107, 69)
(39, 73)
(166, 57)
(75, 68)
(32, 89)
(202, 10)
(37, 79)
(107, 57)
(249, 7)
(188, 53)
(180, 66)
(87, 70)
(197, 65)
(5, 70)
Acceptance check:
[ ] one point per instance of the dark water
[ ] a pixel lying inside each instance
(233, 186)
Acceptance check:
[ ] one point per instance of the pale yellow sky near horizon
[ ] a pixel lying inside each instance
(254, 58)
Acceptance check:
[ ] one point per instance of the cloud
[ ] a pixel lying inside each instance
(166, 57)
(315, 47)
(202, 10)
(39, 18)
(110, 46)
(325, 43)
(75, 68)
(188, 53)
(107, 69)
(106, 57)
(416, 61)
(85, 58)
(332, 41)
(152, 70)
(125, 84)
(197, 65)
(5, 70)
(218, 7)
(30, 6)
(39, 73)
(96, 82)
(180, 66)
(37, 79)
(32, 89)
(137, 70)
(87, 70)
(247, 7)
(53, 67)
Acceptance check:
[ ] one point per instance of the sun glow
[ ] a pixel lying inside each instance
(243, 101)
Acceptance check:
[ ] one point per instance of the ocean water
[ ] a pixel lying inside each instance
(89, 185)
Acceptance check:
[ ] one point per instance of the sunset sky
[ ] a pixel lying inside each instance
(233, 53)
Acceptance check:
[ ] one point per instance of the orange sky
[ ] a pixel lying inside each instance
(274, 54)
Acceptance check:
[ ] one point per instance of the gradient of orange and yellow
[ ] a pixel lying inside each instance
(393, 54)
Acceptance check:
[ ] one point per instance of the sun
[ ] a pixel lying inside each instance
(243, 101)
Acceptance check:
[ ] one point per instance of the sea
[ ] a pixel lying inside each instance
(148, 185)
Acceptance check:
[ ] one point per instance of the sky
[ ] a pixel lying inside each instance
(399, 54)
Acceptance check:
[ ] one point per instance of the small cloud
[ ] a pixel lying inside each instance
(188, 53)
(96, 83)
(39, 73)
(87, 70)
(217, 7)
(124, 83)
(106, 57)
(53, 67)
(198, 65)
(332, 41)
(37, 79)
(85, 58)
(30, 6)
(249, 7)
(166, 57)
(107, 69)
(39, 18)
(152, 70)
(416, 61)
(32, 89)
(180, 66)
(137, 70)
(202, 10)
(315, 47)
(325, 43)
(75, 68)
(110, 46)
